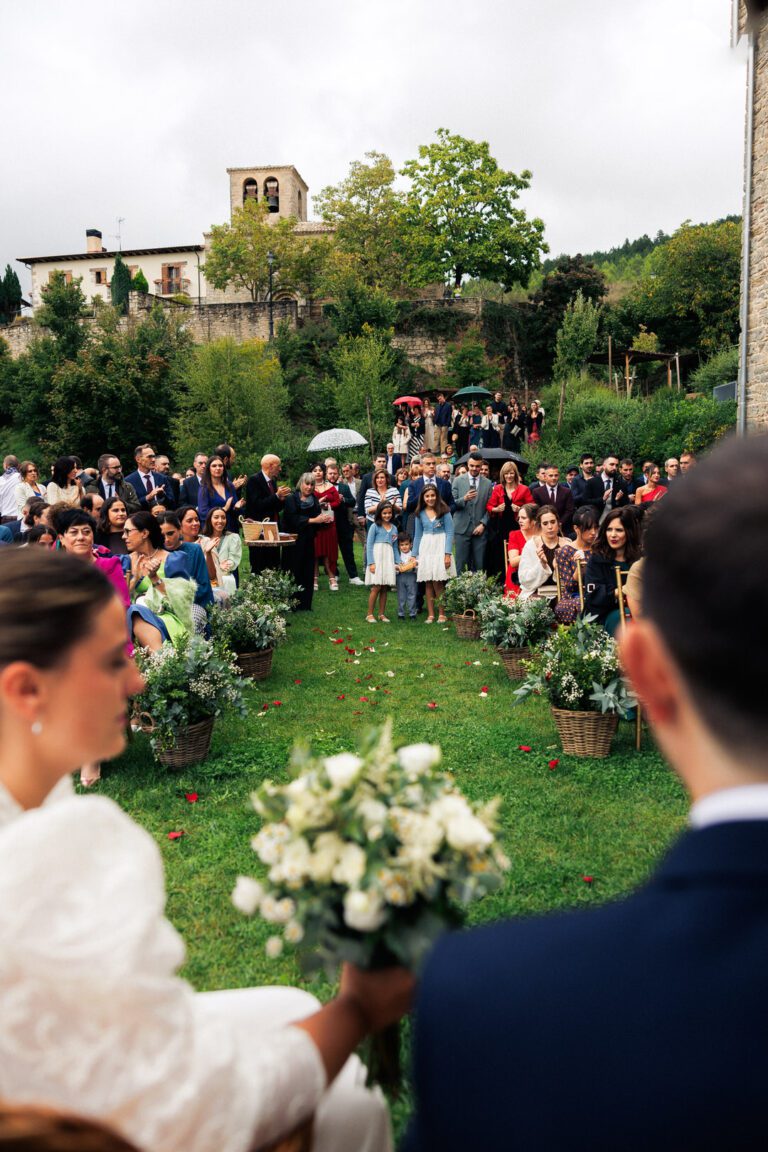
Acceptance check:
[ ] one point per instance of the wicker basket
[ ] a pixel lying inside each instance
(256, 665)
(585, 733)
(252, 530)
(512, 659)
(467, 625)
(192, 745)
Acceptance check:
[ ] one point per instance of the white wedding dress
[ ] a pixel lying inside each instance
(94, 1019)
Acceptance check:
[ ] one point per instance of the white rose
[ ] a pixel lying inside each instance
(328, 849)
(273, 947)
(343, 769)
(419, 757)
(467, 834)
(307, 811)
(294, 933)
(350, 868)
(449, 807)
(364, 911)
(268, 910)
(297, 787)
(286, 909)
(372, 812)
(295, 860)
(247, 895)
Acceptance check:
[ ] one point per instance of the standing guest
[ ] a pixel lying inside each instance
(504, 503)
(401, 439)
(579, 483)
(189, 522)
(428, 413)
(82, 899)
(190, 487)
(110, 526)
(443, 472)
(433, 549)
(345, 531)
(350, 479)
(443, 421)
(490, 425)
(485, 470)
(92, 503)
(568, 605)
(459, 439)
(302, 515)
(265, 499)
(427, 476)
(382, 554)
(541, 476)
(558, 495)
(607, 490)
(539, 557)
(326, 537)
(571, 474)
(475, 426)
(160, 586)
(415, 472)
(381, 489)
(406, 578)
(528, 528)
(9, 482)
(172, 485)
(379, 462)
(499, 407)
(416, 445)
(687, 461)
(65, 487)
(671, 471)
(148, 485)
(514, 429)
(617, 545)
(216, 491)
(392, 459)
(110, 482)
(223, 550)
(402, 480)
(29, 486)
(173, 541)
(227, 453)
(654, 489)
(471, 494)
(534, 422)
(646, 474)
(627, 473)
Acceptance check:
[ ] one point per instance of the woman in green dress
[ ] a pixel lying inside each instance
(160, 586)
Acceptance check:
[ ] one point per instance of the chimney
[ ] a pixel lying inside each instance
(93, 240)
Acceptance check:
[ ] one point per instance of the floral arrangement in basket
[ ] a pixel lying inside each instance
(577, 669)
(247, 624)
(466, 592)
(516, 623)
(185, 684)
(370, 857)
(275, 587)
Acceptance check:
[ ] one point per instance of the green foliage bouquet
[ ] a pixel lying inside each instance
(466, 592)
(246, 624)
(578, 670)
(273, 586)
(516, 623)
(186, 683)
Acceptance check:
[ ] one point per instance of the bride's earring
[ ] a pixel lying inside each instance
(36, 728)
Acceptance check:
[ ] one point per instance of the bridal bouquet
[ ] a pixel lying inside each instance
(370, 857)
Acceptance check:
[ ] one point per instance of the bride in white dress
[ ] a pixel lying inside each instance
(93, 1018)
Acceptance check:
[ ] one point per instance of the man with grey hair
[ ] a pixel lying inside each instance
(264, 499)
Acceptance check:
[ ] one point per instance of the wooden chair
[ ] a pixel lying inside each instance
(581, 567)
(625, 617)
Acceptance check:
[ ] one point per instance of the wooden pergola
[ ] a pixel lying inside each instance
(636, 356)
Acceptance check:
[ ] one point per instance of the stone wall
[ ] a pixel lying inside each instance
(757, 325)
(207, 322)
(18, 337)
(428, 350)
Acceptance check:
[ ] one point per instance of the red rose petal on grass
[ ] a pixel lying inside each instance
(437, 665)
(524, 748)
(297, 681)
(484, 688)
(587, 879)
(363, 699)
(335, 631)
(176, 835)
(552, 763)
(357, 713)
(191, 797)
(338, 640)
(468, 663)
(265, 707)
(432, 704)
(342, 697)
(277, 703)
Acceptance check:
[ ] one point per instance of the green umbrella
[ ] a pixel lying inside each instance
(472, 394)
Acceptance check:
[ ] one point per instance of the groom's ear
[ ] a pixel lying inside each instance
(652, 671)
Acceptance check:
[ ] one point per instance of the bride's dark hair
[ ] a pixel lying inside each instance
(48, 601)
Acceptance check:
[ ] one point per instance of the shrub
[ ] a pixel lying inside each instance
(467, 591)
(517, 623)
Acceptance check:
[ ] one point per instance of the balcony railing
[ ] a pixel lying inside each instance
(172, 286)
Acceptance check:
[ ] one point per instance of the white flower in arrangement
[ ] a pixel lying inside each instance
(328, 849)
(293, 866)
(364, 911)
(373, 814)
(468, 834)
(273, 947)
(350, 868)
(419, 757)
(286, 910)
(269, 910)
(308, 810)
(247, 895)
(294, 933)
(395, 887)
(343, 769)
(270, 842)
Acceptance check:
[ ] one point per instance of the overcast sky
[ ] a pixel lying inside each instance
(629, 115)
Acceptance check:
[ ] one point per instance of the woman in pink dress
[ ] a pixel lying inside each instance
(326, 538)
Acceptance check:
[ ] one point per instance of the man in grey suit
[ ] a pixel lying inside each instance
(471, 493)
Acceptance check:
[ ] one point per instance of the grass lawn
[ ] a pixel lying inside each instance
(606, 819)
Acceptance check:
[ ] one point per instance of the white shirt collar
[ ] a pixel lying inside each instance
(747, 802)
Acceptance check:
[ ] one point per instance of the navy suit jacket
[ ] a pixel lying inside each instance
(639, 1025)
(189, 490)
(137, 483)
(563, 503)
(416, 487)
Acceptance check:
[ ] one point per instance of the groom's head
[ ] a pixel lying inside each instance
(700, 650)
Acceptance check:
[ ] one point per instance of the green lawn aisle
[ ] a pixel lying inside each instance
(605, 820)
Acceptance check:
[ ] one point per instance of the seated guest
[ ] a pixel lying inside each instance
(538, 558)
(516, 542)
(653, 489)
(617, 545)
(223, 552)
(111, 522)
(170, 526)
(29, 486)
(33, 1129)
(92, 503)
(585, 522)
(41, 534)
(32, 514)
(82, 899)
(217, 491)
(190, 524)
(160, 586)
(65, 487)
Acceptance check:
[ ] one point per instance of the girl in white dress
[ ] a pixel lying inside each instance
(433, 548)
(95, 1020)
(381, 555)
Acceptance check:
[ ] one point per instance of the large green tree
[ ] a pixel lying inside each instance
(120, 284)
(363, 367)
(569, 276)
(235, 392)
(462, 216)
(10, 296)
(61, 312)
(576, 341)
(238, 252)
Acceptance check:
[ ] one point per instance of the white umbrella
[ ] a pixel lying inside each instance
(336, 438)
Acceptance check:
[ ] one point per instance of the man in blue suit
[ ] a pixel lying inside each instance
(640, 1025)
(151, 487)
(428, 476)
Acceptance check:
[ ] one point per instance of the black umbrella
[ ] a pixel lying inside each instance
(500, 454)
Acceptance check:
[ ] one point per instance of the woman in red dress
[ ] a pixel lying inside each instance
(504, 503)
(653, 490)
(526, 518)
(326, 539)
